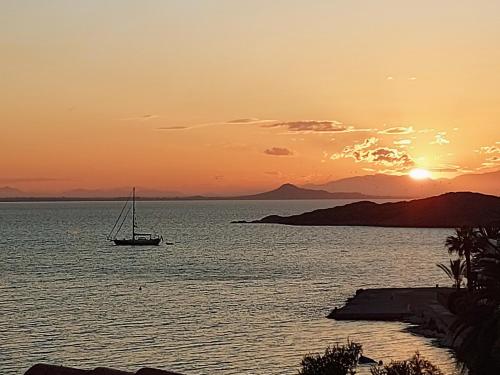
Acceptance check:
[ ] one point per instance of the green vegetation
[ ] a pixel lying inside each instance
(337, 360)
(414, 366)
(456, 271)
(464, 243)
(477, 331)
(343, 359)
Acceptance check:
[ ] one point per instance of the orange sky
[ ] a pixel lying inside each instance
(236, 96)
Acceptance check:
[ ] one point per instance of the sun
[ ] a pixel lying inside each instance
(419, 174)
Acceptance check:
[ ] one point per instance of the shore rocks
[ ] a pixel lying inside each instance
(44, 369)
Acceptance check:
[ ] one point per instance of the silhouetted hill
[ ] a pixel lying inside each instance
(10, 192)
(405, 186)
(444, 211)
(289, 191)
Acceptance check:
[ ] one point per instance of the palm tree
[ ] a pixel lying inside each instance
(464, 243)
(455, 272)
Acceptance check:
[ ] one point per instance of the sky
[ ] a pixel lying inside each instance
(224, 96)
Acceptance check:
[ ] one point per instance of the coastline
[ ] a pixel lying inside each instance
(425, 308)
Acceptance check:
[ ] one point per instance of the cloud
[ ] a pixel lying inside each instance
(278, 151)
(141, 118)
(173, 128)
(493, 159)
(220, 123)
(446, 169)
(440, 139)
(245, 121)
(388, 157)
(312, 126)
(489, 150)
(365, 152)
(398, 130)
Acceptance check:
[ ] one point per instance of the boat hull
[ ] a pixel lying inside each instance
(138, 242)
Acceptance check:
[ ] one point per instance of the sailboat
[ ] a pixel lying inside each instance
(137, 239)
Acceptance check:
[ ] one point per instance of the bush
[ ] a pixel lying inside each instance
(337, 360)
(414, 366)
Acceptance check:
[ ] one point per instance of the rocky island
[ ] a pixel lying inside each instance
(448, 210)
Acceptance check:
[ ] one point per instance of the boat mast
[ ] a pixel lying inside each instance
(133, 214)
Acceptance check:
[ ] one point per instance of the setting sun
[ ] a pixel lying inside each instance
(420, 174)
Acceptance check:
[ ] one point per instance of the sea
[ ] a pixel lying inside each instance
(223, 298)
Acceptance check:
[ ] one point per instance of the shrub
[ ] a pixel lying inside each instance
(414, 366)
(337, 360)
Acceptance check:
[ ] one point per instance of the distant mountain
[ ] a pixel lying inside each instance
(284, 192)
(289, 191)
(10, 192)
(481, 183)
(444, 211)
(116, 193)
(405, 186)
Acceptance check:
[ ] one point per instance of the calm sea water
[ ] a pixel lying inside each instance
(225, 298)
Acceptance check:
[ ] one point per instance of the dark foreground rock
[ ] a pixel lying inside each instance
(449, 210)
(43, 369)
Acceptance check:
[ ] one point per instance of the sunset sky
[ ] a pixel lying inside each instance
(237, 96)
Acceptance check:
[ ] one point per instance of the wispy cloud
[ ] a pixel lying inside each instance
(173, 128)
(247, 121)
(315, 126)
(278, 151)
(397, 130)
(240, 121)
(445, 169)
(493, 159)
(141, 118)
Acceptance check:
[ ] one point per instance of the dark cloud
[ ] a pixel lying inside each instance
(365, 152)
(397, 130)
(387, 156)
(313, 126)
(278, 151)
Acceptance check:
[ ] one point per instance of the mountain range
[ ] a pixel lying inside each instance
(405, 186)
(284, 192)
(360, 187)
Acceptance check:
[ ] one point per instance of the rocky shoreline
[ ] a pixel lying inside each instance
(425, 308)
